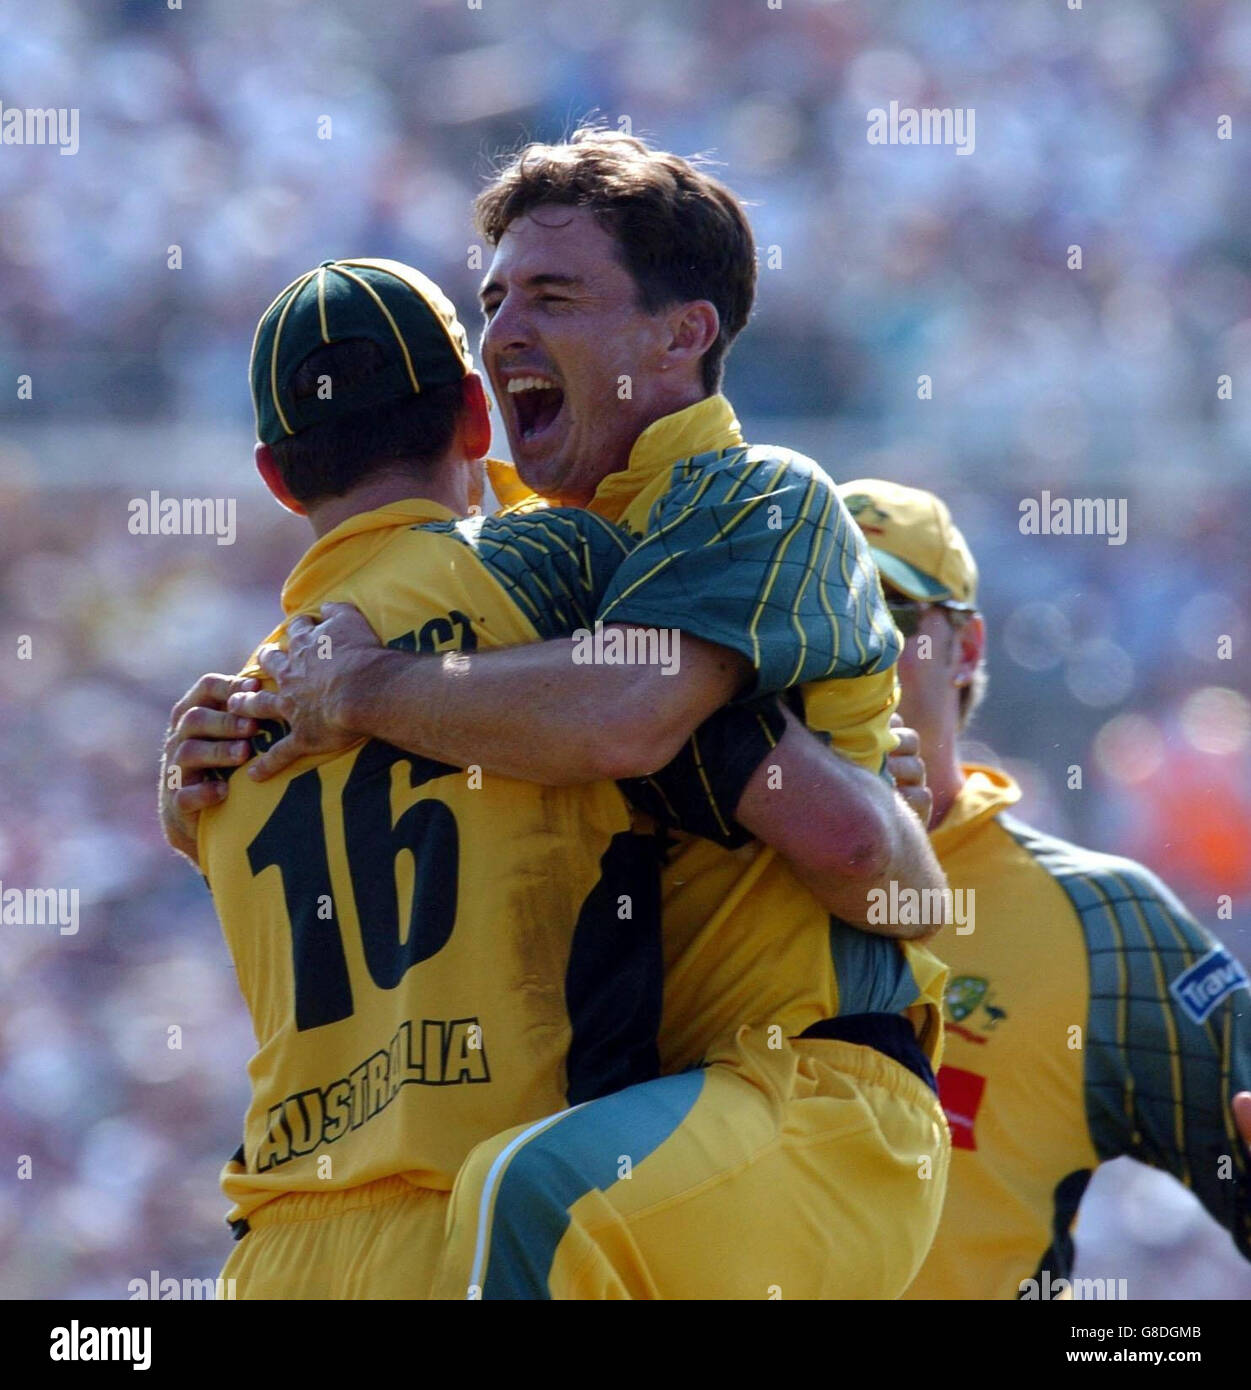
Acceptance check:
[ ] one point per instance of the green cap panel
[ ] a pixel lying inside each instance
(384, 302)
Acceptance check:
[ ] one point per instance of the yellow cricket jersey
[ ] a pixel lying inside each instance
(752, 548)
(429, 956)
(1088, 1017)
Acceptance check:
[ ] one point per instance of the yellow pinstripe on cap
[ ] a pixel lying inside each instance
(386, 302)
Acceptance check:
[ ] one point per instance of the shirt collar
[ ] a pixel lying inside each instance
(330, 559)
(986, 792)
(702, 428)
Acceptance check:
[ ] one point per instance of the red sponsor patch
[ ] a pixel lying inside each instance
(961, 1094)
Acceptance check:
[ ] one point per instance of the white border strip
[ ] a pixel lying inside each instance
(492, 1181)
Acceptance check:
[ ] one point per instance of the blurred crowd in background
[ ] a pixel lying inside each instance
(1096, 129)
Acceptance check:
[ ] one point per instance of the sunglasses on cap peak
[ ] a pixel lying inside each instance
(907, 613)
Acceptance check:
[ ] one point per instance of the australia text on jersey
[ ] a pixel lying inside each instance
(451, 1054)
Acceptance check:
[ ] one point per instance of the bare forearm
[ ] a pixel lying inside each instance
(533, 713)
(524, 713)
(843, 831)
(861, 898)
(912, 864)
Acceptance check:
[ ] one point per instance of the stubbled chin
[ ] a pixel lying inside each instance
(541, 464)
(541, 472)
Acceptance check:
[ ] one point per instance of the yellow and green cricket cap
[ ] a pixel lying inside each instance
(406, 314)
(916, 546)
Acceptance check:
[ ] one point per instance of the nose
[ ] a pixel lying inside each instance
(508, 329)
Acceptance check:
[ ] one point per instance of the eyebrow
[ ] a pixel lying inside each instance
(532, 282)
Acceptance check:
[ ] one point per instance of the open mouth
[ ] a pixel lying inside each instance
(537, 401)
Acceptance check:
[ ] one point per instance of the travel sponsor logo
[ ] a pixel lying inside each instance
(867, 513)
(1209, 980)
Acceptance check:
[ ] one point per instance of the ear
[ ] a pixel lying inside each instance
(272, 479)
(693, 329)
(475, 419)
(970, 647)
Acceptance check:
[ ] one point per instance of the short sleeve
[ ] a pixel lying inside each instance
(756, 551)
(556, 563)
(1169, 1039)
(700, 789)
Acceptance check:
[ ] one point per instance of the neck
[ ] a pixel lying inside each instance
(662, 398)
(659, 405)
(684, 394)
(677, 395)
(446, 483)
(943, 773)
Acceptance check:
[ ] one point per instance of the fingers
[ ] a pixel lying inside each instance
(347, 626)
(920, 801)
(194, 755)
(214, 723)
(299, 635)
(280, 755)
(213, 691)
(259, 704)
(909, 744)
(199, 796)
(1242, 1114)
(273, 661)
(906, 770)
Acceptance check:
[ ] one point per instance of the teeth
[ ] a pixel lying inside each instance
(531, 383)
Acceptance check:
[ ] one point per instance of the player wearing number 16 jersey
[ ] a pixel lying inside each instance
(423, 953)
